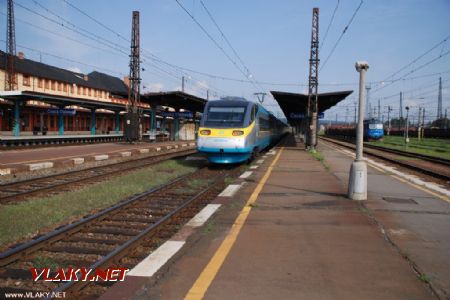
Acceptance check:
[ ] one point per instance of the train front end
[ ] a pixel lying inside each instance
(227, 132)
(373, 131)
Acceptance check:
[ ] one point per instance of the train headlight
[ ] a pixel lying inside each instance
(205, 132)
(237, 132)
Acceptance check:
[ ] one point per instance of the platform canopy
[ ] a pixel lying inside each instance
(176, 99)
(295, 106)
(60, 101)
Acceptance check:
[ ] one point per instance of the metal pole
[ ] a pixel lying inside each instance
(182, 84)
(406, 127)
(389, 120)
(357, 185)
(361, 67)
(379, 110)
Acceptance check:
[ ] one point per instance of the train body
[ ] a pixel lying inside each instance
(373, 131)
(234, 131)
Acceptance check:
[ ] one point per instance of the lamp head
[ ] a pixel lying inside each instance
(361, 65)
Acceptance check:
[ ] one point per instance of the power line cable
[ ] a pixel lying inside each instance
(329, 24)
(212, 39)
(342, 34)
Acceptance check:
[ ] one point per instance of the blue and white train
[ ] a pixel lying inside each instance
(234, 131)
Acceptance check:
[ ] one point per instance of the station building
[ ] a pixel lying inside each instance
(52, 101)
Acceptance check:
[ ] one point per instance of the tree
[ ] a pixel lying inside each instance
(442, 123)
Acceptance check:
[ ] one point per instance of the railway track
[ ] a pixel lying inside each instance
(118, 236)
(54, 184)
(435, 167)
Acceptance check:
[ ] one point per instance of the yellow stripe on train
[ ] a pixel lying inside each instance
(225, 132)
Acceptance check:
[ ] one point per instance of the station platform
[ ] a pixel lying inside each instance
(29, 159)
(285, 230)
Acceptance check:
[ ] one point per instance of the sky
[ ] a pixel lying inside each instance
(406, 43)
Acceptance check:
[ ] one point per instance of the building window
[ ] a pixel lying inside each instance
(89, 92)
(54, 85)
(60, 86)
(71, 89)
(84, 91)
(103, 94)
(65, 87)
(40, 83)
(26, 80)
(47, 84)
(95, 93)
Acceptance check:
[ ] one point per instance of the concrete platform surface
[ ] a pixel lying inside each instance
(290, 233)
(23, 160)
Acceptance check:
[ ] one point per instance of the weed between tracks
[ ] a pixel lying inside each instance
(320, 157)
(25, 219)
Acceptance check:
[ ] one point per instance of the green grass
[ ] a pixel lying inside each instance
(317, 155)
(432, 147)
(25, 219)
(424, 278)
(320, 157)
(45, 262)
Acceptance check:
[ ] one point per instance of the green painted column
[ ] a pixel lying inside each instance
(117, 127)
(93, 121)
(152, 119)
(16, 124)
(60, 122)
(177, 128)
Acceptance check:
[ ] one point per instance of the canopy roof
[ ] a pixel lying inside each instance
(294, 105)
(176, 99)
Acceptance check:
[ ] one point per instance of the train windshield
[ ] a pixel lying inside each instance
(376, 126)
(225, 116)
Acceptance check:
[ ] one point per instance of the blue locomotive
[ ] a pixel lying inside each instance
(373, 130)
(234, 131)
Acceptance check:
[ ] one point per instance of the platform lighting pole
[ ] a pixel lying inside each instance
(406, 127)
(357, 185)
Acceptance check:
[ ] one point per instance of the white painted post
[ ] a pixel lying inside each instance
(357, 184)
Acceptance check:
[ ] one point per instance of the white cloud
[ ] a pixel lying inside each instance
(154, 87)
(74, 69)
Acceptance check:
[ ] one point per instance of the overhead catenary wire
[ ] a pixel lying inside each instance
(329, 25)
(233, 62)
(74, 28)
(342, 34)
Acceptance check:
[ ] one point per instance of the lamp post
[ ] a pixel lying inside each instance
(406, 128)
(357, 185)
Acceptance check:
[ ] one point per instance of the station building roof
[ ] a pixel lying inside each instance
(175, 99)
(96, 80)
(294, 105)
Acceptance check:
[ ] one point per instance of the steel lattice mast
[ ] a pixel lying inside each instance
(313, 81)
(133, 130)
(135, 77)
(10, 82)
(439, 109)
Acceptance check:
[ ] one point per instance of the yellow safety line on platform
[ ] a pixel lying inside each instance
(208, 274)
(424, 189)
